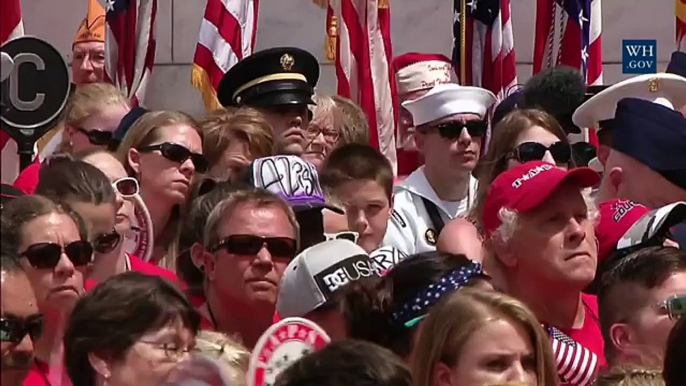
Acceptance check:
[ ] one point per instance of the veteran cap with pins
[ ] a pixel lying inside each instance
(273, 77)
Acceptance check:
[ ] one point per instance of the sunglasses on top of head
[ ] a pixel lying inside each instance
(47, 255)
(453, 129)
(534, 151)
(13, 330)
(106, 242)
(126, 186)
(178, 153)
(97, 137)
(251, 245)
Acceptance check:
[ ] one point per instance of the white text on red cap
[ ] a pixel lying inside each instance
(531, 174)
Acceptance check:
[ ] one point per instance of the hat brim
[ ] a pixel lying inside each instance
(287, 98)
(654, 223)
(581, 177)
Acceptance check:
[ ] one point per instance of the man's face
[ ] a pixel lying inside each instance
(458, 154)
(88, 63)
(18, 304)
(368, 209)
(405, 126)
(290, 124)
(554, 244)
(251, 280)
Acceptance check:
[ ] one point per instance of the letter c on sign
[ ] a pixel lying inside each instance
(16, 101)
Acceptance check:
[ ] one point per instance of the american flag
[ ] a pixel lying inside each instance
(576, 365)
(130, 46)
(680, 13)
(489, 60)
(227, 35)
(569, 32)
(11, 26)
(363, 66)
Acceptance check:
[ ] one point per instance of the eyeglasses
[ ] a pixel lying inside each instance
(453, 130)
(13, 330)
(330, 135)
(126, 186)
(97, 137)
(106, 242)
(177, 153)
(534, 151)
(172, 351)
(47, 255)
(251, 245)
(675, 306)
(345, 235)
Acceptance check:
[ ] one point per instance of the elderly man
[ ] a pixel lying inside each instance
(250, 238)
(88, 50)
(538, 220)
(451, 126)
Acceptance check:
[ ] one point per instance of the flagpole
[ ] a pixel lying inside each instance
(463, 42)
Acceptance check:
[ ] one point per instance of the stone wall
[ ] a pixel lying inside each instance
(417, 25)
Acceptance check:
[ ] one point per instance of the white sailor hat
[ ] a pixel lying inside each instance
(444, 100)
(668, 90)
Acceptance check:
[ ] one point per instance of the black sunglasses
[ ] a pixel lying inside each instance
(453, 130)
(97, 137)
(251, 245)
(47, 255)
(106, 242)
(177, 153)
(534, 151)
(13, 330)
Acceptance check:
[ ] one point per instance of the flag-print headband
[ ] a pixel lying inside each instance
(416, 308)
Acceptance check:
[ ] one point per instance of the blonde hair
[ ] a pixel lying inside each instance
(350, 121)
(456, 318)
(144, 132)
(228, 351)
(630, 377)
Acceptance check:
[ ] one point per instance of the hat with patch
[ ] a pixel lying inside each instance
(445, 100)
(291, 178)
(92, 28)
(415, 71)
(313, 276)
(599, 111)
(616, 217)
(677, 64)
(6, 66)
(528, 185)
(654, 135)
(8, 193)
(653, 224)
(273, 77)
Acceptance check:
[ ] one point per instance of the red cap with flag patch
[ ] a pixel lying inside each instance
(616, 217)
(416, 71)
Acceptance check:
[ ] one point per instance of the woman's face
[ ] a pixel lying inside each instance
(114, 170)
(498, 352)
(321, 136)
(99, 219)
(236, 157)
(57, 287)
(539, 135)
(151, 358)
(106, 119)
(161, 178)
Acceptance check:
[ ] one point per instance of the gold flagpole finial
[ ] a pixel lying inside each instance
(331, 37)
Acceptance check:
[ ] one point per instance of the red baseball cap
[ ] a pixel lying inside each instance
(616, 218)
(526, 186)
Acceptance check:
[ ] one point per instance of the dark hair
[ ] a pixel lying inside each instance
(354, 162)
(109, 319)
(9, 262)
(25, 209)
(347, 363)
(66, 180)
(674, 372)
(631, 278)
(368, 304)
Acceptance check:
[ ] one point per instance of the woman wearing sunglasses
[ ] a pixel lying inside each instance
(54, 250)
(163, 151)
(91, 116)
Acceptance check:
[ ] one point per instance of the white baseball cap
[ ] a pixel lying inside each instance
(313, 276)
(6, 66)
(444, 100)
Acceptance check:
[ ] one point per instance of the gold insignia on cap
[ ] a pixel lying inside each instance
(287, 62)
(430, 236)
(653, 84)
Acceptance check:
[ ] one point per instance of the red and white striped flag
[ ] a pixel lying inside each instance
(680, 13)
(227, 35)
(363, 66)
(576, 365)
(11, 26)
(489, 60)
(130, 46)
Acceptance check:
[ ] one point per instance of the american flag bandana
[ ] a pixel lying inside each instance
(576, 365)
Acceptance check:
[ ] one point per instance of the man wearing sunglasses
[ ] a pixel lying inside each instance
(640, 299)
(280, 83)
(20, 321)
(451, 126)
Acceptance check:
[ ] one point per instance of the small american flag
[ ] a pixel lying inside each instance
(489, 60)
(130, 46)
(363, 66)
(227, 35)
(576, 365)
(680, 13)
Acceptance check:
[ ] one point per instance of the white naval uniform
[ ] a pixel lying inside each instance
(410, 229)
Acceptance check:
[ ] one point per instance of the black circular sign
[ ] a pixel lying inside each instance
(38, 89)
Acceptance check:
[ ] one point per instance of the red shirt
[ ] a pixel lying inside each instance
(39, 375)
(138, 265)
(589, 334)
(28, 178)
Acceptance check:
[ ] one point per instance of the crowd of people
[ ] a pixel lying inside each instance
(153, 246)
